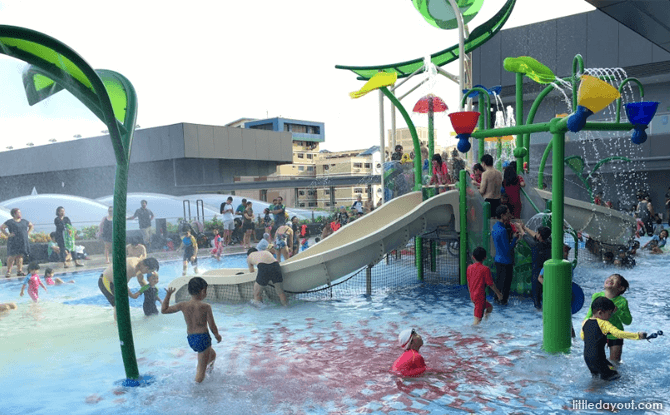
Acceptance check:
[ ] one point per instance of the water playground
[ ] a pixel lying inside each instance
(401, 266)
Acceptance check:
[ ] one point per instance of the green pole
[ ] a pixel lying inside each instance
(499, 150)
(556, 297)
(481, 127)
(543, 162)
(418, 259)
(519, 119)
(431, 132)
(120, 277)
(463, 212)
(412, 131)
(433, 256)
(486, 229)
(531, 117)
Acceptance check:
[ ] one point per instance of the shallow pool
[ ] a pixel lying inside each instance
(62, 355)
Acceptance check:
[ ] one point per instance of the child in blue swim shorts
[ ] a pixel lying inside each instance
(198, 316)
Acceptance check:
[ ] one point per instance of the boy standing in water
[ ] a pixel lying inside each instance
(198, 316)
(479, 276)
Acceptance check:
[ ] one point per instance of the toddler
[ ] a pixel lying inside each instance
(190, 246)
(33, 282)
(51, 280)
(218, 245)
(150, 295)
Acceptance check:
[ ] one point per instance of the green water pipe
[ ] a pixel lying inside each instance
(486, 228)
(577, 68)
(531, 118)
(412, 131)
(433, 256)
(519, 122)
(557, 292)
(418, 258)
(484, 106)
(618, 101)
(463, 213)
(431, 133)
(543, 162)
(481, 142)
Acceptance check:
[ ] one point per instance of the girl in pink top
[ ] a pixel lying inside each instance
(513, 184)
(33, 282)
(51, 280)
(218, 245)
(440, 172)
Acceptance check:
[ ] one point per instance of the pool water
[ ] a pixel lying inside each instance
(317, 357)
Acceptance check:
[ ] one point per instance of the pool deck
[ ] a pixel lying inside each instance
(98, 261)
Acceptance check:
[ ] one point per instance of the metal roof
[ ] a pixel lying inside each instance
(648, 18)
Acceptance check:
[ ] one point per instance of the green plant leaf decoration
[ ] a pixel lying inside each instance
(530, 67)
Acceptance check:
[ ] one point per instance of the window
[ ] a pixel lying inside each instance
(302, 205)
(326, 167)
(358, 190)
(358, 165)
(313, 129)
(301, 192)
(301, 156)
(301, 168)
(368, 165)
(326, 204)
(309, 156)
(310, 193)
(311, 204)
(310, 168)
(327, 192)
(296, 128)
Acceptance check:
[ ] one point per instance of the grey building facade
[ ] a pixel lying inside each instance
(175, 159)
(603, 43)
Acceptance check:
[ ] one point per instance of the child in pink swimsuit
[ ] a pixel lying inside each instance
(51, 280)
(33, 282)
(218, 245)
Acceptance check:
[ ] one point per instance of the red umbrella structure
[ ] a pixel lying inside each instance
(430, 104)
(423, 105)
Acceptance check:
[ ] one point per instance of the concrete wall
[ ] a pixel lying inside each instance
(175, 159)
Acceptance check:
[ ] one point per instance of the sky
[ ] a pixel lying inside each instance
(213, 62)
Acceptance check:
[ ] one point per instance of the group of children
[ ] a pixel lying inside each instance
(602, 326)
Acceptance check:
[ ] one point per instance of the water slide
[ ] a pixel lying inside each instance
(356, 245)
(601, 223)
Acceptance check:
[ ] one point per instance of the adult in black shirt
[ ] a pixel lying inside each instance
(145, 216)
(61, 221)
(540, 248)
(16, 230)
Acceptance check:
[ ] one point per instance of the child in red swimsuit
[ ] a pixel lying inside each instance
(411, 362)
(479, 276)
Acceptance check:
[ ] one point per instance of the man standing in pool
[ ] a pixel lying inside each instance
(268, 270)
(135, 268)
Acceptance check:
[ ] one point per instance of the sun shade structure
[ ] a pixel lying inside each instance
(477, 38)
(430, 104)
(54, 67)
(440, 14)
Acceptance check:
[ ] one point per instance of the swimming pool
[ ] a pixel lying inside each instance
(62, 355)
